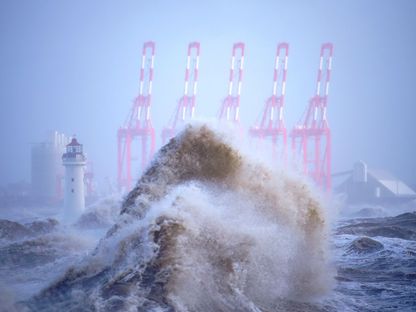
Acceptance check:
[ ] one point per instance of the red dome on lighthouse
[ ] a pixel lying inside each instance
(73, 142)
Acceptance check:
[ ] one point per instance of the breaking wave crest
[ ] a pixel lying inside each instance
(204, 229)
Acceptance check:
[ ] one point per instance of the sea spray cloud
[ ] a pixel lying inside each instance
(204, 229)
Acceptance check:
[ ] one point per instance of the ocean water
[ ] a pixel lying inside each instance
(209, 228)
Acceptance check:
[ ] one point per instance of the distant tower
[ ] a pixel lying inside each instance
(46, 168)
(74, 162)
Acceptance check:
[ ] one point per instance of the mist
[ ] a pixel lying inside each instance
(74, 66)
(216, 220)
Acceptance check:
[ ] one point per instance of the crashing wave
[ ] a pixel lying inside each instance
(204, 229)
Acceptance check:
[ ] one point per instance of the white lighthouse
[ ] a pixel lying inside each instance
(74, 161)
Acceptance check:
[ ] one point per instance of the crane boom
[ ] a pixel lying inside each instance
(138, 125)
(185, 110)
(230, 108)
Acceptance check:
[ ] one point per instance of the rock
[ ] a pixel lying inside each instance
(12, 230)
(43, 227)
(28, 253)
(364, 245)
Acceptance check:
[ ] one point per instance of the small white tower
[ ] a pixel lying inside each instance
(74, 162)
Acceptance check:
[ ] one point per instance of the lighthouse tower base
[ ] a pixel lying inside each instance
(74, 162)
(74, 192)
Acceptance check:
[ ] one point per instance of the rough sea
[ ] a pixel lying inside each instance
(210, 228)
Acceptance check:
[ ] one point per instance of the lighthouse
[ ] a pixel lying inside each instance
(74, 162)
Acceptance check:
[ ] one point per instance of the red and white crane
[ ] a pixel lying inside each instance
(271, 124)
(314, 126)
(230, 107)
(138, 125)
(185, 110)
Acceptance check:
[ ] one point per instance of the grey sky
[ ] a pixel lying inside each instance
(73, 66)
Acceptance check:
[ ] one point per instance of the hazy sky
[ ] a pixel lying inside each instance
(73, 66)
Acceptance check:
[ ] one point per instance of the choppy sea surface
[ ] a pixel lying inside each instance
(209, 228)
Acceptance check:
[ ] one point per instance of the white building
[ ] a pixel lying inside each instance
(74, 162)
(46, 168)
(366, 185)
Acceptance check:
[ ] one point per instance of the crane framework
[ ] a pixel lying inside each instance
(314, 127)
(185, 110)
(138, 126)
(271, 123)
(230, 108)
